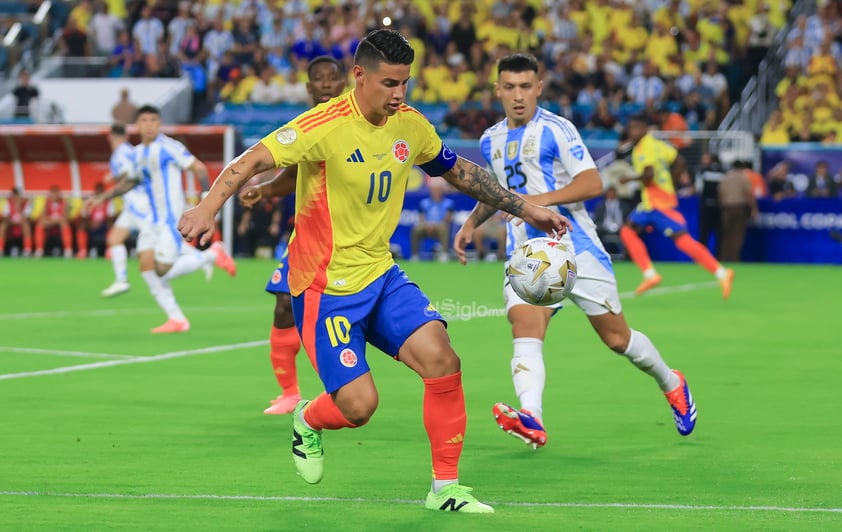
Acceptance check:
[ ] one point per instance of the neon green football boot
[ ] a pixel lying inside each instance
(456, 498)
(307, 451)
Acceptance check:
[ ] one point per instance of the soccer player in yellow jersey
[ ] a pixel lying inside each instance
(658, 164)
(354, 155)
(326, 80)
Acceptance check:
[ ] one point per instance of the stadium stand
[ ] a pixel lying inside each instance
(698, 64)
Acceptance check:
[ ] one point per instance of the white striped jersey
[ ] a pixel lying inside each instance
(122, 164)
(544, 155)
(160, 164)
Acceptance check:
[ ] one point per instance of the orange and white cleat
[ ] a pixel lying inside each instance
(520, 424)
(283, 404)
(726, 282)
(172, 326)
(648, 284)
(224, 260)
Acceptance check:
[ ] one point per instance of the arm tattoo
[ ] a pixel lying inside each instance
(476, 182)
(481, 213)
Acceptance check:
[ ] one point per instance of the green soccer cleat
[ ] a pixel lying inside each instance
(307, 452)
(456, 498)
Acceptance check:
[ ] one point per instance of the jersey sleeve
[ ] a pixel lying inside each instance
(432, 155)
(485, 148)
(180, 154)
(123, 165)
(301, 140)
(430, 142)
(572, 152)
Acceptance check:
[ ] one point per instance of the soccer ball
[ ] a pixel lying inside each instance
(542, 271)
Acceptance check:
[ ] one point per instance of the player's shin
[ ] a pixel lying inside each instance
(699, 253)
(119, 261)
(445, 421)
(528, 374)
(635, 248)
(163, 294)
(645, 356)
(284, 345)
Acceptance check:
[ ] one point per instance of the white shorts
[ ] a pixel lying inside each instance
(164, 239)
(130, 221)
(595, 291)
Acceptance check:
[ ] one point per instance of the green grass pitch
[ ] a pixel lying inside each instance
(179, 442)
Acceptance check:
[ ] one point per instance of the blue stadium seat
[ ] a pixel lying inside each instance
(12, 7)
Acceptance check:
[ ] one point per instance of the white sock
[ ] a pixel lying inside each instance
(528, 374)
(644, 355)
(439, 484)
(649, 273)
(720, 273)
(190, 262)
(119, 261)
(162, 292)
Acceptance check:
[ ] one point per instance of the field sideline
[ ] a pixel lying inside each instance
(105, 426)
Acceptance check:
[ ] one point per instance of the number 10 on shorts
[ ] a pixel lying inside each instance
(338, 330)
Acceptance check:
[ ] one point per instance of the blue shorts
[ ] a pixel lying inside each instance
(279, 283)
(665, 221)
(334, 329)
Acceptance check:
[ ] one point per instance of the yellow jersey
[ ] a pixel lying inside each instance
(660, 193)
(352, 177)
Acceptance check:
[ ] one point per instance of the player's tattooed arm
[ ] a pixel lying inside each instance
(124, 185)
(480, 214)
(253, 161)
(476, 182)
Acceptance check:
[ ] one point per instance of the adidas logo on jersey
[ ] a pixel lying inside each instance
(356, 157)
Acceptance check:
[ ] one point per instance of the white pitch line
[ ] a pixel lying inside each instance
(134, 360)
(672, 289)
(357, 500)
(59, 352)
(195, 310)
(121, 312)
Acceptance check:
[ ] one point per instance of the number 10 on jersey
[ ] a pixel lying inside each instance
(379, 184)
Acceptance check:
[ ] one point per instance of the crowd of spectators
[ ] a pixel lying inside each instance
(809, 94)
(598, 56)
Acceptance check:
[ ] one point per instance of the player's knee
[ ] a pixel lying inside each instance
(358, 409)
(617, 341)
(162, 269)
(443, 361)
